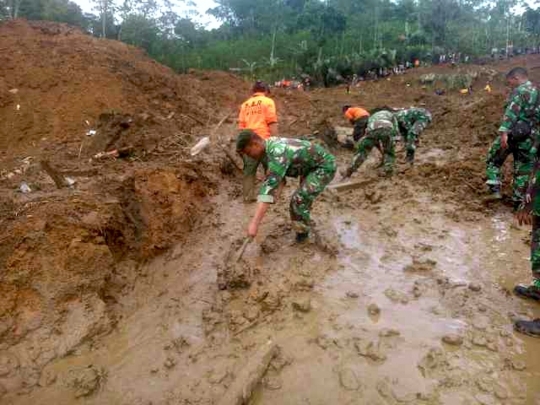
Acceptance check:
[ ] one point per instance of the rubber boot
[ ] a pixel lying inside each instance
(529, 291)
(410, 157)
(249, 189)
(530, 328)
(495, 190)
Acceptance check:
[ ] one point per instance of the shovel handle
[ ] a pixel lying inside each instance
(247, 240)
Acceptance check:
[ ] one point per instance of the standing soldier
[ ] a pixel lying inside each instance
(412, 121)
(529, 213)
(382, 128)
(517, 129)
(314, 165)
(257, 115)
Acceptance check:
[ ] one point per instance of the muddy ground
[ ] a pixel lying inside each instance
(109, 287)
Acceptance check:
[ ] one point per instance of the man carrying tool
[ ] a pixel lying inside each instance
(257, 115)
(382, 128)
(516, 133)
(312, 163)
(412, 121)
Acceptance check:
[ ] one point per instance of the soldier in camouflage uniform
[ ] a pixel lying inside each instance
(382, 128)
(311, 162)
(412, 121)
(529, 213)
(517, 130)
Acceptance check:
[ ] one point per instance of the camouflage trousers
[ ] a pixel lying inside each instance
(310, 187)
(380, 136)
(412, 136)
(535, 247)
(522, 166)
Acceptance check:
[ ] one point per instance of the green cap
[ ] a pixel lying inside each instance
(243, 139)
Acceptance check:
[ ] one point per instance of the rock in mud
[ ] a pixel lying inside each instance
(348, 379)
(302, 305)
(374, 310)
(272, 383)
(453, 339)
(476, 287)
(352, 294)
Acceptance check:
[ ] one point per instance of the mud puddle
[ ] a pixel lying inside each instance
(366, 326)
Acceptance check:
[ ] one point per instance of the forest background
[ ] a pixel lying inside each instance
(272, 39)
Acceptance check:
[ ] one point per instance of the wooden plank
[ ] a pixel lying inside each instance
(250, 376)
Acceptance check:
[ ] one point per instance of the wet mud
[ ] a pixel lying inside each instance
(113, 291)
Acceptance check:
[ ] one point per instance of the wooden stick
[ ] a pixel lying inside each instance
(249, 376)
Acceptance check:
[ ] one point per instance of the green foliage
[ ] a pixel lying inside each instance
(329, 40)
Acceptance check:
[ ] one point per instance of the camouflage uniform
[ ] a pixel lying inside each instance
(533, 190)
(381, 130)
(521, 106)
(314, 165)
(412, 121)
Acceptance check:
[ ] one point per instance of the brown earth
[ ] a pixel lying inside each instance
(111, 283)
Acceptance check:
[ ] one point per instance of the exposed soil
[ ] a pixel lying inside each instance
(110, 286)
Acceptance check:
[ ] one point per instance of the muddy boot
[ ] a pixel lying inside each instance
(410, 157)
(531, 328)
(302, 237)
(495, 192)
(529, 291)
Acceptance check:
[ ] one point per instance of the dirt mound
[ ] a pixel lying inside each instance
(62, 80)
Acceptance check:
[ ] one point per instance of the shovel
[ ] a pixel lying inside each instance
(206, 141)
(241, 251)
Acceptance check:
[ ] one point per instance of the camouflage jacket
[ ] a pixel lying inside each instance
(382, 119)
(408, 116)
(522, 105)
(291, 158)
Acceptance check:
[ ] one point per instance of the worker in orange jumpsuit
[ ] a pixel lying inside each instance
(358, 117)
(258, 115)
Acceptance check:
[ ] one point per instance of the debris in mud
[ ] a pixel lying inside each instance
(348, 379)
(387, 332)
(87, 381)
(373, 309)
(272, 382)
(352, 294)
(453, 339)
(420, 266)
(236, 273)
(302, 304)
(169, 362)
(249, 376)
(371, 349)
(476, 287)
(396, 296)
